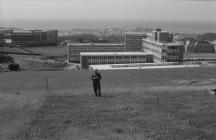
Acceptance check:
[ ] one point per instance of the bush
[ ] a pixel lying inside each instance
(13, 67)
(5, 58)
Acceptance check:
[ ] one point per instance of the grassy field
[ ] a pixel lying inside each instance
(49, 50)
(57, 53)
(200, 55)
(136, 104)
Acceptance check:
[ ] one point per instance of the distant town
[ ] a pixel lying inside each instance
(125, 47)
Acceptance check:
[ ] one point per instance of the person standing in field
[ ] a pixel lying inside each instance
(96, 77)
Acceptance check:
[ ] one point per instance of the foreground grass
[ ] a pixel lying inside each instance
(17, 110)
(140, 104)
(135, 114)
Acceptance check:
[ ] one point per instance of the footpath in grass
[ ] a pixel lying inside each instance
(136, 114)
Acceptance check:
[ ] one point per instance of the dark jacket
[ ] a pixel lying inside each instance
(96, 77)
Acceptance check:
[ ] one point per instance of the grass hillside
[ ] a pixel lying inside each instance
(135, 104)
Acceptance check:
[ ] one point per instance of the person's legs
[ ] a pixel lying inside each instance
(95, 88)
(99, 89)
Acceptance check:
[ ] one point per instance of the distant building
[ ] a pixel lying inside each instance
(214, 43)
(200, 47)
(133, 41)
(74, 49)
(30, 37)
(139, 48)
(204, 47)
(162, 46)
(101, 58)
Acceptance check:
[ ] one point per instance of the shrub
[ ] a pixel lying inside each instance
(13, 67)
(5, 58)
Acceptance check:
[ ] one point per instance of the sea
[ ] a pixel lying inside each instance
(190, 27)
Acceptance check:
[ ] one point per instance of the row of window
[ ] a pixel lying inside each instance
(153, 44)
(152, 50)
(117, 57)
(96, 48)
(173, 51)
(115, 62)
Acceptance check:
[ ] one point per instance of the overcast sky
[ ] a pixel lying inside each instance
(204, 10)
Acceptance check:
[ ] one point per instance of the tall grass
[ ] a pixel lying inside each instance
(16, 110)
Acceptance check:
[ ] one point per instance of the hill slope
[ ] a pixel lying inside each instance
(136, 104)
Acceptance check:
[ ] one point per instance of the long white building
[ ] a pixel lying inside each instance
(98, 58)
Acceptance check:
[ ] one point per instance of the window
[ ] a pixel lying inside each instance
(118, 57)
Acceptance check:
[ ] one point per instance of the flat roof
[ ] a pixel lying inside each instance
(163, 43)
(95, 44)
(135, 33)
(112, 53)
(150, 34)
(130, 66)
(22, 31)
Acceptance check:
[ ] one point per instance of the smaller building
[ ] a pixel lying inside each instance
(102, 58)
(204, 47)
(214, 43)
(200, 47)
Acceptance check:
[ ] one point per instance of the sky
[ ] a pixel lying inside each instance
(192, 10)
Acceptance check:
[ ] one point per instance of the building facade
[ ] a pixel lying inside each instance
(133, 41)
(30, 37)
(162, 47)
(200, 47)
(214, 43)
(102, 58)
(74, 49)
(204, 47)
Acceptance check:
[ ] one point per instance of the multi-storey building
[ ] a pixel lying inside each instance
(74, 49)
(139, 48)
(162, 46)
(30, 37)
(101, 58)
(133, 41)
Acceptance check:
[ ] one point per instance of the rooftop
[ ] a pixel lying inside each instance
(164, 43)
(95, 44)
(22, 31)
(135, 33)
(112, 53)
(139, 66)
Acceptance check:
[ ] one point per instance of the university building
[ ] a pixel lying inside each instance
(161, 45)
(157, 47)
(102, 58)
(74, 49)
(133, 41)
(30, 37)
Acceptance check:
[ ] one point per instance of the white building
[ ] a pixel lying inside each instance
(102, 58)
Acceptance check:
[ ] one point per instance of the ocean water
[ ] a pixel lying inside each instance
(172, 26)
